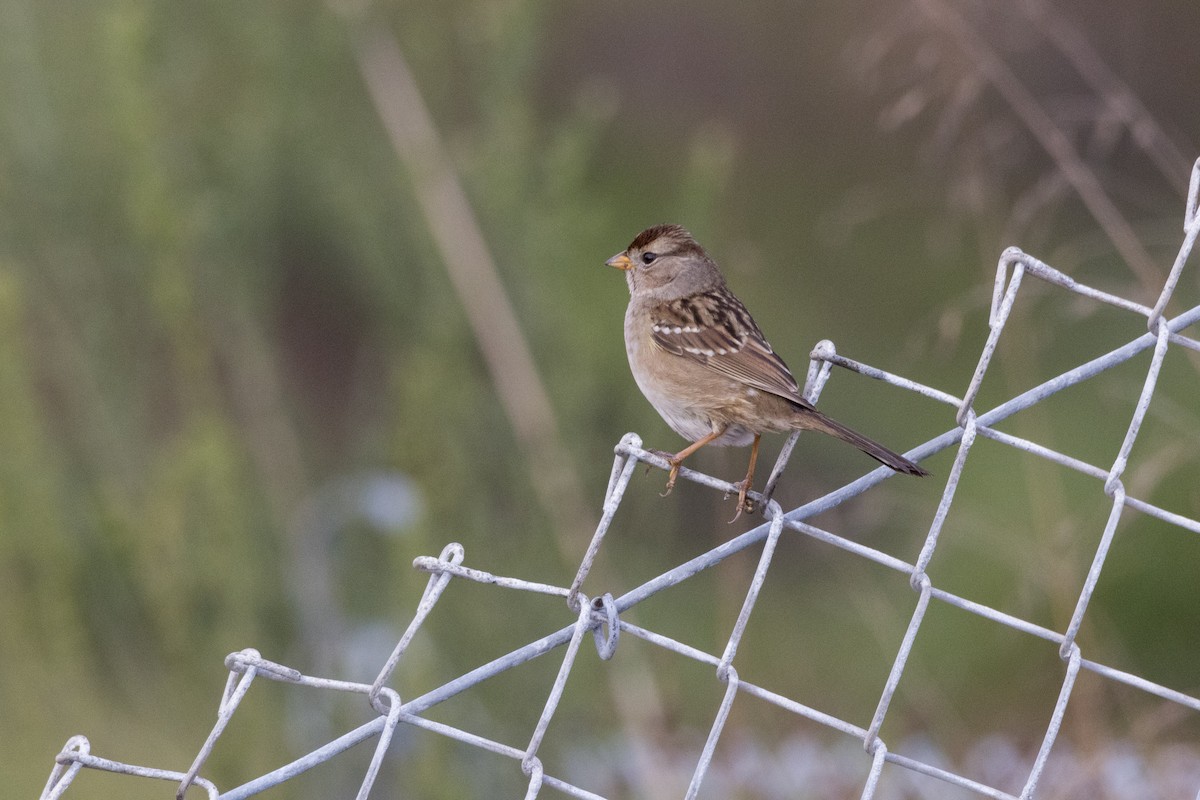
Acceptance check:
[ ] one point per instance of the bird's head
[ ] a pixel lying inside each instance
(666, 262)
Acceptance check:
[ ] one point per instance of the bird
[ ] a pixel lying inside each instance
(704, 364)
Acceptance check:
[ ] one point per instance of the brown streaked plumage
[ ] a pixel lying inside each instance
(704, 364)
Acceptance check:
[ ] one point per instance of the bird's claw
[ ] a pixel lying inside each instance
(671, 476)
(744, 503)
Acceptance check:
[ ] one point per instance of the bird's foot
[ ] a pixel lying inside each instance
(671, 476)
(674, 468)
(744, 503)
(663, 454)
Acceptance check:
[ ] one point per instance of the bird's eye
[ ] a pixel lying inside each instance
(648, 257)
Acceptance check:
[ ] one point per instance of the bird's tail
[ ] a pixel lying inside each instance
(819, 422)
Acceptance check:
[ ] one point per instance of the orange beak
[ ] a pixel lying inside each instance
(620, 261)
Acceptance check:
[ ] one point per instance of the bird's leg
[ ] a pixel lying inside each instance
(743, 504)
(678, 458)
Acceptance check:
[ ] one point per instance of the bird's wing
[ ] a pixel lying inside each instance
(713, 328)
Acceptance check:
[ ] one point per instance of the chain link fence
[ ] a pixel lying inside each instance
(602, 616)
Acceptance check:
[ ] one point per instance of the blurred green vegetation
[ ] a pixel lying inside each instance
(218, 297)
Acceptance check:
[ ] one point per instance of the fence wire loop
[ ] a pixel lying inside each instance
(1191, 229)
(76, 755)
(452, 555)
(729, 676)
(391, 719)
(250, 659)
(608, 626)
(878, 752)
(603, 615)
(533, 768)
(820, 367)
(66, 764)
(623, 466)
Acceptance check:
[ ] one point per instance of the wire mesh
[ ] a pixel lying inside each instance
(601, 616)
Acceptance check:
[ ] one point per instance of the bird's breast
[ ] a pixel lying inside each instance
(684, 392)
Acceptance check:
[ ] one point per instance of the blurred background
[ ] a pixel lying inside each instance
(258, 352)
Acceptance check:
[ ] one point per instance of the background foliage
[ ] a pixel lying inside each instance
(221, 312)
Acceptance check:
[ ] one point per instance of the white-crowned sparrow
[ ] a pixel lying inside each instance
(702, 362)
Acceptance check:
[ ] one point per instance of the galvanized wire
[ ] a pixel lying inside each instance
(602, 615)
